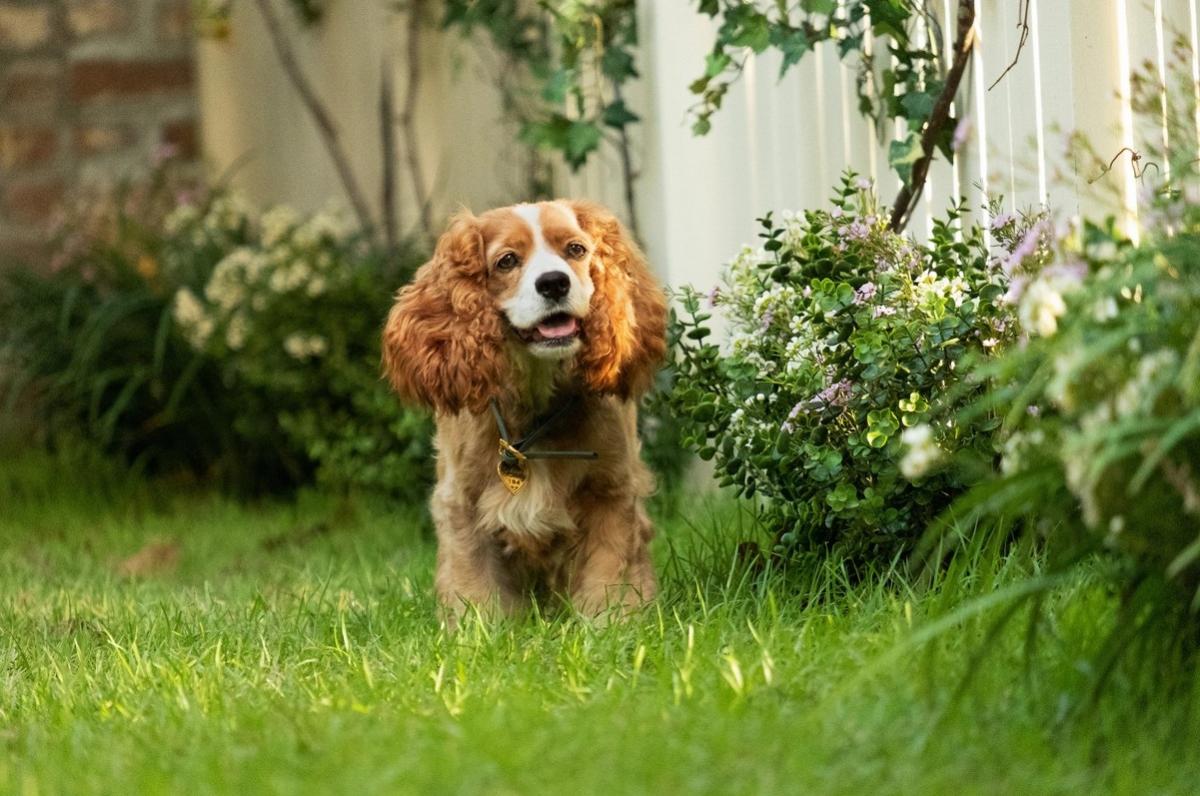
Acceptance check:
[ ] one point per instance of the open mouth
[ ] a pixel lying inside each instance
(559, 329)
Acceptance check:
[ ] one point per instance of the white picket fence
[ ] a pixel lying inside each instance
(783, 144)
(775, 145)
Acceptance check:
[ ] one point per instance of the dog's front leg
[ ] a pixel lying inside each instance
(613, 571)
(471, 575)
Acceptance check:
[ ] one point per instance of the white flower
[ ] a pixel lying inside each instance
(1105, 309)
(277, 223)
(299, 346)
(959, 289)
(193, 319)
(921, 451)
(296, 346)
(1041, 307)
(1015, 446)
(235, 333)
(180, 218)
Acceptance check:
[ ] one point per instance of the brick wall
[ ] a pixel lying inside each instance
(90, 92)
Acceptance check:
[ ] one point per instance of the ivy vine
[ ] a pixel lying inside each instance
(901, 71)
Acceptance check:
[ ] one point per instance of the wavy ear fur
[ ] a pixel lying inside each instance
(625, 331)
(443, 345)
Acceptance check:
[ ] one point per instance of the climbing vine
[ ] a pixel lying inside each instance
(569, 63)
(902, 71)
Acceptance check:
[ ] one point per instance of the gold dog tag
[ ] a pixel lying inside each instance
(513, 474)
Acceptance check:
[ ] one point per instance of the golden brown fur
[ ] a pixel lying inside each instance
(578, 528)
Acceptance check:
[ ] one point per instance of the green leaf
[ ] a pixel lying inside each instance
(617, 64)
(618, 115)
(903, 154)
(918, 104)
(714, 64)
(554, 90)
(582, 139)
(793, 44)
(755, 33)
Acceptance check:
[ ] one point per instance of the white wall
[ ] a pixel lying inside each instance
(255, 125)
(775, 144)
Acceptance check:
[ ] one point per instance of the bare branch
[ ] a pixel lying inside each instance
(387, 143)
(408, 119)
(1135, 159)
(964, 42)
(320, 115)
(628, 176)
(1023, 25)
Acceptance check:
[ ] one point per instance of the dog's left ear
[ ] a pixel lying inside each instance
(625, 330)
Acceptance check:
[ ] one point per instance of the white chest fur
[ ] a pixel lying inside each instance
(539, 509)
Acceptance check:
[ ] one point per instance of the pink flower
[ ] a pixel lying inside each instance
(962, 133)
(163, 153)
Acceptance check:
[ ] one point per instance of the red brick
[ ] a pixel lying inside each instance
(97, 17)
(181, 136)
(21, 147)
(32, 201)
(24, 27)
(173, 20)
(27, 82)
(98, 139)
(112, 78)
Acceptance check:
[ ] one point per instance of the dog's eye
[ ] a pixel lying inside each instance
(508, 262)
(576, 250)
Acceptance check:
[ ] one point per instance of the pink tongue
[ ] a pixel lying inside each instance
(561, 328)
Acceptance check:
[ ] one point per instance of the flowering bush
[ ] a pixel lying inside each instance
(291, 313)
(1100, 445)
(844, 341)
(184, 330)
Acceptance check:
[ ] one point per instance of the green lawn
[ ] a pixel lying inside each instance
(153, 639)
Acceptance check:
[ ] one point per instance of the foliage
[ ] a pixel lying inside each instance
(1100, 449)
(577, 55)
(291, 316)
(899, 74)
(843, 339)
(122, 342)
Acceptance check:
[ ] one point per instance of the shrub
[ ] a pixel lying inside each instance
(1099, 450)
(1100, 445)
(178, 329)
(291, 315)
(844, 338)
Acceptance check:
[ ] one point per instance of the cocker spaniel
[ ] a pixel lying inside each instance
(532, 333)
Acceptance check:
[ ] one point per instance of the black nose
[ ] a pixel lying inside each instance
(553, 284)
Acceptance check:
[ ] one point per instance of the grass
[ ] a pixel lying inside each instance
(158, 639)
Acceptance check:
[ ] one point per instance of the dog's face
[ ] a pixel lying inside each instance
(539, 274)
(554, 281)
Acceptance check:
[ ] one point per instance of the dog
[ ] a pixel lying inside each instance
(532, 333)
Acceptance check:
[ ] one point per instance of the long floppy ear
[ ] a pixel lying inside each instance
(626, 326)
(443, 345)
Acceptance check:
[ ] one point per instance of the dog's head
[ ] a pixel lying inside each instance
(559, 282)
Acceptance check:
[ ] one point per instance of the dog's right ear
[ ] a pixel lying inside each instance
(443, 345)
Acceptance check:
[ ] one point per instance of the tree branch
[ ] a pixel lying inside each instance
(624, 148)
(1023, 26)
(964, 42)
(387, 143)
(408, 120)
(320, 115)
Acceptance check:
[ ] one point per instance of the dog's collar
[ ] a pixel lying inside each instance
(513, 466)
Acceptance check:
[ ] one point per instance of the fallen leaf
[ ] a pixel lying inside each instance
(156, 558)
